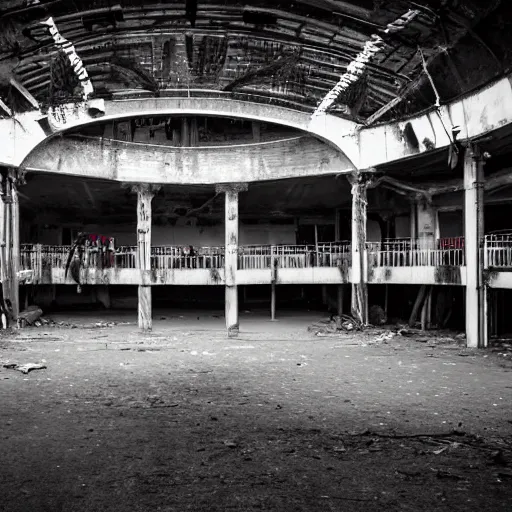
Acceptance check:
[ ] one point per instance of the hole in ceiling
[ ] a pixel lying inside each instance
(259, 18)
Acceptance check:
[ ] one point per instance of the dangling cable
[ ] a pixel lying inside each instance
(437, 104)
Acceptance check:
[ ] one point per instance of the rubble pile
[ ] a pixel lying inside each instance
(33, 317)
(335, 324)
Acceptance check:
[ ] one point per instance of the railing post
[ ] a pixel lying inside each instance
(231, 191)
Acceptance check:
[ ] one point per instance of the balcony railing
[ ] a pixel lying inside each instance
(498, 250)
(169, 257)
(406, 252)
(387, 253)
(251, 257)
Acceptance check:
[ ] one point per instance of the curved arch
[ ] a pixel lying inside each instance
(336, 132)
(135, 162)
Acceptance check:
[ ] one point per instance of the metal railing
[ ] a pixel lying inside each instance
(397, 252)
(498, 250)
(171, 257)
(406, 252)
(251, 257)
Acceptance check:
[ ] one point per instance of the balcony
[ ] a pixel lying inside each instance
(392, 261)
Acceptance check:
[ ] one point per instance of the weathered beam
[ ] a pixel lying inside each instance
(24, 92)
(416, 83)
(357, 67)
(5, 108)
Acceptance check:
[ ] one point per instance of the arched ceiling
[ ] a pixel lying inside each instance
(279, 51)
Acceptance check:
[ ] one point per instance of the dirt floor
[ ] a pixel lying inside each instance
(278, 419)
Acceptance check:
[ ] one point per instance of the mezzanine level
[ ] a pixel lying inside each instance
(391, 261)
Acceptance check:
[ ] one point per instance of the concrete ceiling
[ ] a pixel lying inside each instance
(264, 50)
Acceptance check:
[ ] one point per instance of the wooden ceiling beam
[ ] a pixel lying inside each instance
(25, 93)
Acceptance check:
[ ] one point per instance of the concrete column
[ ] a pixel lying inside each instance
(476, 321)
(273, 301)
(10, 259)
(359, 182)
(145, 194)
(16, 263)
(427, 219)
(340, 299)
(231, 191)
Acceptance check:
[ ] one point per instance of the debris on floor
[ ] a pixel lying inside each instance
(335, 324)
(25, 368)
(30, 316)
(377, 316)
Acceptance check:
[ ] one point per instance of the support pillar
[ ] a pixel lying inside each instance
(16, 264)
(231, 191)
(427, 220)
(145, 194)
(340, 299)
(10, 241)
(359, 304)
(273, 301)
(476, 318)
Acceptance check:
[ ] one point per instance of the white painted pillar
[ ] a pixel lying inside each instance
(359, 304)
(427, 216)
(10, 259)
(476, 320)
(231, 191)
(145, 194)
(16, 263)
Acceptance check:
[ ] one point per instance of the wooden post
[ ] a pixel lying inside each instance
(359, 182)
(145, 194)
(231, 191)
(476, 321)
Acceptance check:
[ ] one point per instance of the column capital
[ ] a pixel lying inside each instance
(11, 180)
(231, 187)
(148, 189)
(362, 177)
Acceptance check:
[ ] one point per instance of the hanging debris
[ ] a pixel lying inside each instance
(357, 67)
(74, 59)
